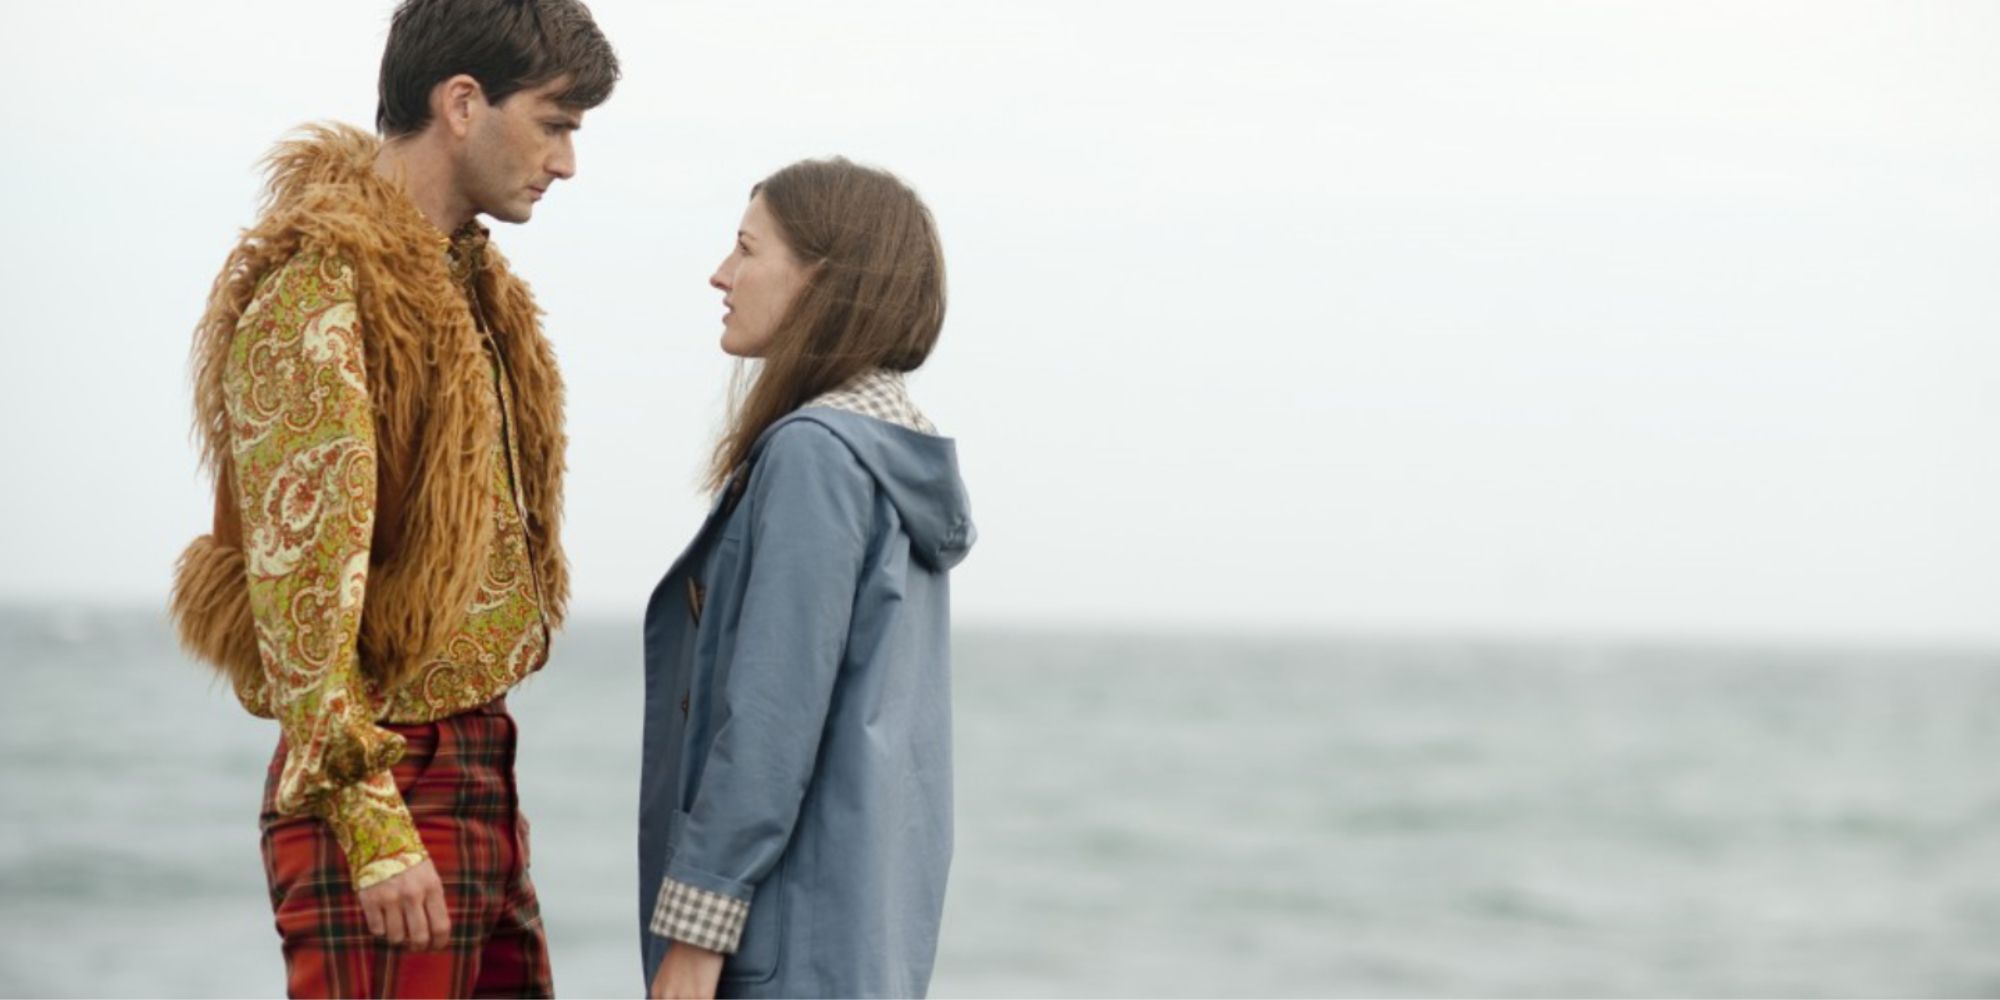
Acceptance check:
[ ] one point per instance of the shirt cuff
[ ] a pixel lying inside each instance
(700, 918)
(376, 833)
(377, 872)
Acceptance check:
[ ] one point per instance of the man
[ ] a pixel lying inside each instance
(384, 421)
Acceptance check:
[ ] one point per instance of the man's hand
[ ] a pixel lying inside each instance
(408, 908)
(688, 973)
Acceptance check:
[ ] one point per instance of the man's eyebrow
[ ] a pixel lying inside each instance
(744, 234)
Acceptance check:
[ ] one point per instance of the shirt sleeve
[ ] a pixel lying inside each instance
(811, 502)
(304, 447)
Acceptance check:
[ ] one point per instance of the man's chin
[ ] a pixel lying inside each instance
(516, 214)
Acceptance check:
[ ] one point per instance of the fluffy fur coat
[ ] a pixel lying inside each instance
(428, 380)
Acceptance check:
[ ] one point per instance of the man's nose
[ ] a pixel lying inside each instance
(563, 164)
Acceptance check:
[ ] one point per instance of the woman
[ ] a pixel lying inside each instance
(795, 802)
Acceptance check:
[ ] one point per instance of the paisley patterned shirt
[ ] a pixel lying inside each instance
(304, 447)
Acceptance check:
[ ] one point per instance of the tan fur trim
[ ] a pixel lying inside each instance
(538, 419)
(428, 379)
(210, 607)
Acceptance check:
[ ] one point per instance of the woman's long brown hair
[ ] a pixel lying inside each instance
(874, 294)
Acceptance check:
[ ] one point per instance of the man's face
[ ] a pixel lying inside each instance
(515, 149)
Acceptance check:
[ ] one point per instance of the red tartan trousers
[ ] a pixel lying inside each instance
(458, 778)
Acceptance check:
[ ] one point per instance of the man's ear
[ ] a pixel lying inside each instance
(453, 102)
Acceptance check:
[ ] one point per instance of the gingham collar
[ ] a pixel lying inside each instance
(879, 394)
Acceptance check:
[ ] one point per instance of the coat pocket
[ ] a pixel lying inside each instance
(762, 949)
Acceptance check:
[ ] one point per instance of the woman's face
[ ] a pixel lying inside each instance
(758, 281)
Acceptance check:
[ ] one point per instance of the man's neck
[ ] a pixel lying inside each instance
(425, 172)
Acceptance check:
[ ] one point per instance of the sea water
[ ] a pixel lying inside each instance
(1149, 816)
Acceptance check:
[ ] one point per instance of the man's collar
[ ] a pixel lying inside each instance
(466, 249)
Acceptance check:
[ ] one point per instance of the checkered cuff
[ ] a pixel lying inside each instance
(698, 917)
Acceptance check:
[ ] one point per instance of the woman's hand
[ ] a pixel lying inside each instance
(687, 973)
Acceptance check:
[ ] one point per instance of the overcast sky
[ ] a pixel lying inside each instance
(1651, 319)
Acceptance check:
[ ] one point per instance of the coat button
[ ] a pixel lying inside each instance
(696, 597)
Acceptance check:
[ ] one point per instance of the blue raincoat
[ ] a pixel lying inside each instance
(798, 709)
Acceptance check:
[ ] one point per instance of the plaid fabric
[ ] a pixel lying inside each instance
(879, 394)
(699, 917)
(458, 777)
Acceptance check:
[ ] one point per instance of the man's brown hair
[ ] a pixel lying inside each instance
(507, 45)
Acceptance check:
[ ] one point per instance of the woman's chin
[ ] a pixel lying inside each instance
(735, 346)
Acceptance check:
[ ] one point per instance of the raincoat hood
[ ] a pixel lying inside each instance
(918, 473)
